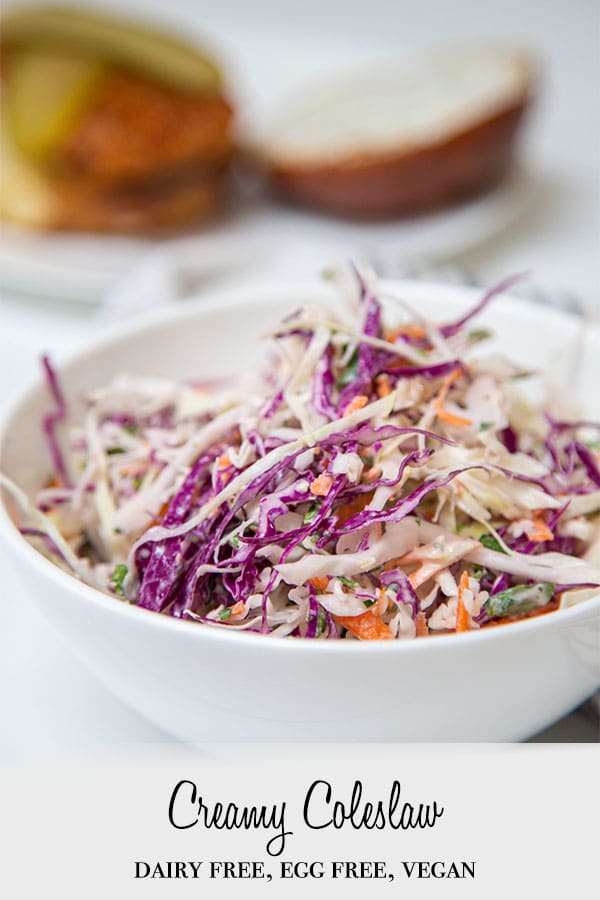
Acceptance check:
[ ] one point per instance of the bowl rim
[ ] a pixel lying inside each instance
(239, 297)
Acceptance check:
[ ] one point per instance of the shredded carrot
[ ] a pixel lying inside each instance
(136, 468)
(237, 610)
(223, 461)
(367, 627)
(356, 403)
(414, 331)
(393, 563)
(383, 385)
(377, 529)
(451, 419)
(372, 474)
(442, 413)
(423, 573)
(381, 604)
(462, 616)
(401, 362)
(161, 514)
(355, 506)
(422, 626)
(539, 531)
(319, 582)
(320, 486)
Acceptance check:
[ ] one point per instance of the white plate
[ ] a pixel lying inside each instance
(265, 66)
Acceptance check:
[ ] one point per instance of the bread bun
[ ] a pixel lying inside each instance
(402, 141)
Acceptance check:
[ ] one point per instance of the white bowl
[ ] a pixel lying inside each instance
(200, 682)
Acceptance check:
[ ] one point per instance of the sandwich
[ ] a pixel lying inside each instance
(108, 125)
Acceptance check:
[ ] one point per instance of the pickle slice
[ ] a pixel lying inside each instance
(45, 93)
(147, 51)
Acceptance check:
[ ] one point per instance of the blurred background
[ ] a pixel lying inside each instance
(544, 217)
(561, 141)
(59, 288)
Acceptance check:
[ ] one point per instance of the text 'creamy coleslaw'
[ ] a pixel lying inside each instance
(377, 480)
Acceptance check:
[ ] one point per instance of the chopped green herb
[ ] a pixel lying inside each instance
(490, 543)
(479, 334)
(321, 623)
(112, 451)
(138, 481)
(118, 530)
(368, 603)
(348, 582)
(484, 426)
(235, 540)
(118, 577)
(130, 429)
(521, 598)
(350, 372)
(224, 614)
(311, 514)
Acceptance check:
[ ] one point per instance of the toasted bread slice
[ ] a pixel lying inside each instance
(402, 140)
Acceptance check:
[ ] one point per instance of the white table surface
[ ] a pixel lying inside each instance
(50, 706)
